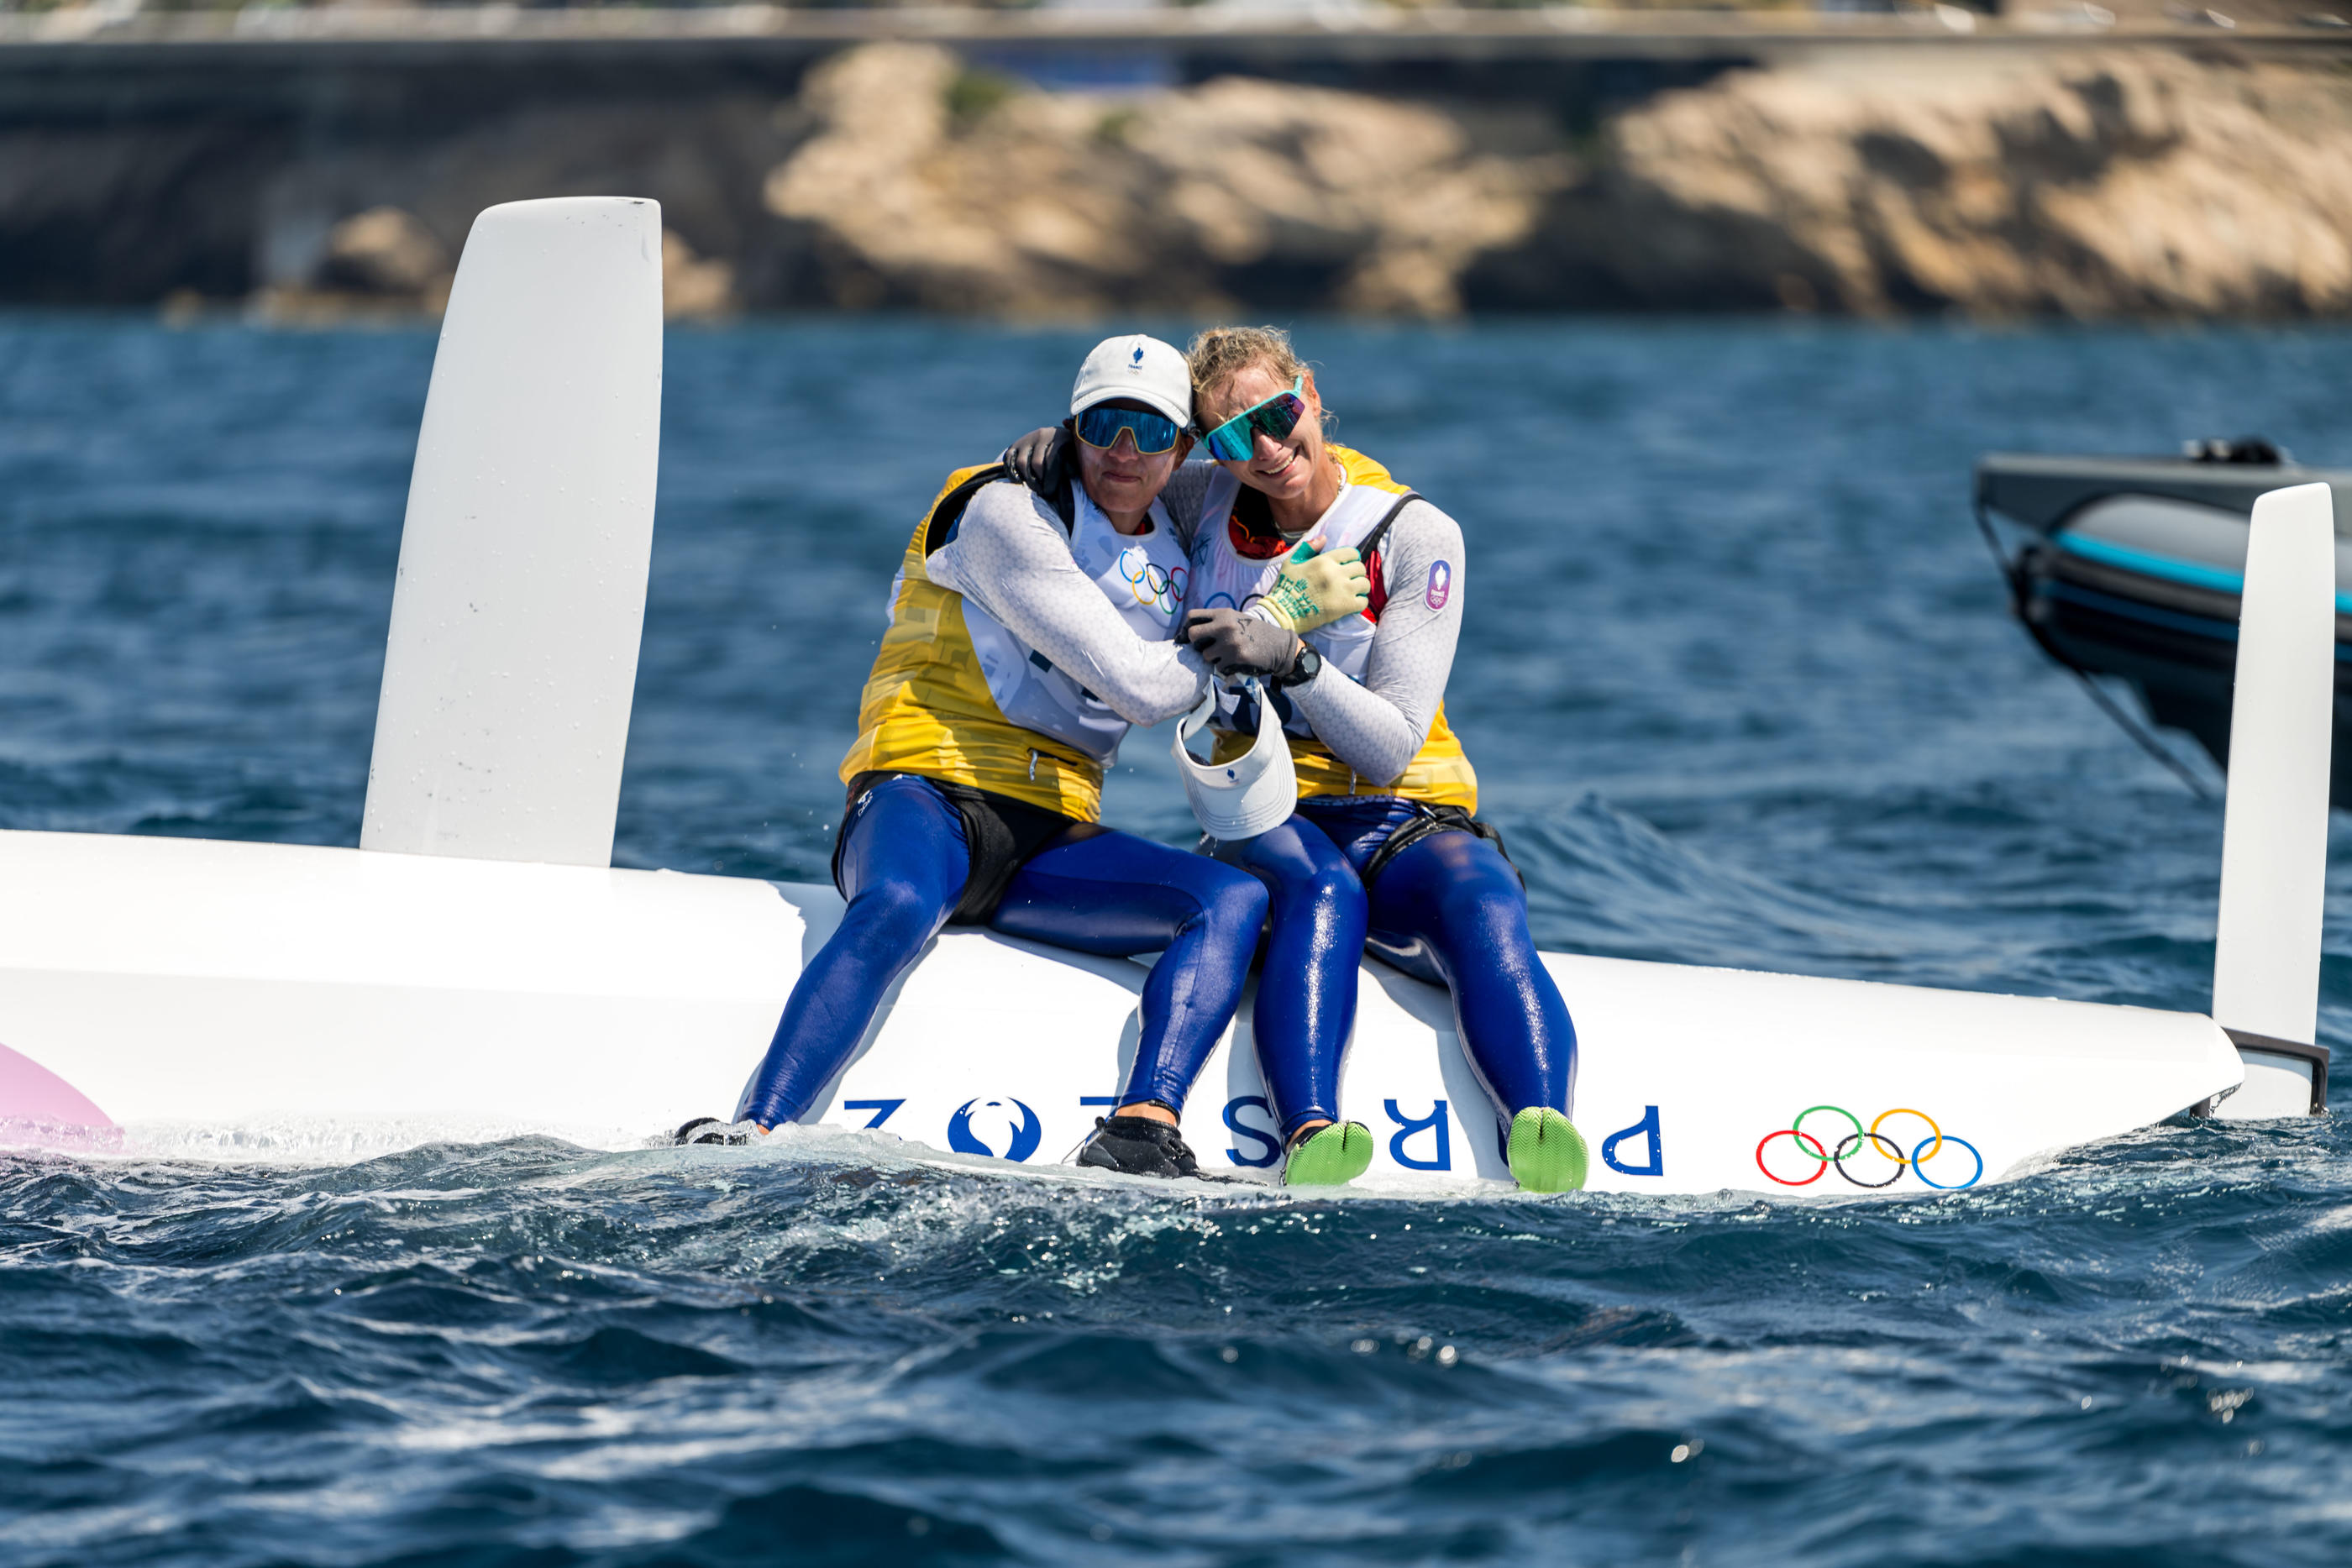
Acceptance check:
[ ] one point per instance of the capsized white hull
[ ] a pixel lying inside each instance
(183, 985)
(467, 987)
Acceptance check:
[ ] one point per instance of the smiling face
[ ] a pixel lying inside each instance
(1122, 481)
(1285, 470)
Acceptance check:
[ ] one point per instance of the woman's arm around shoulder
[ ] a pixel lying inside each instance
(1011, 556)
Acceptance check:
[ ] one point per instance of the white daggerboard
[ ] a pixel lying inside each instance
(2274, 838)
(512, 659)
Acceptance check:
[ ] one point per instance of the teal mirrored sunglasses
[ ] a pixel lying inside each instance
(1235, 440)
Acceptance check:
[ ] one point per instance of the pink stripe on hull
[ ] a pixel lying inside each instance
(38, 1106)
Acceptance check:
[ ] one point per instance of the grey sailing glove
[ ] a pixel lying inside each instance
(1234, 644)
(1036, 459)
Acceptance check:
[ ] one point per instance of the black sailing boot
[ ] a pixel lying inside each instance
(711, 1130)
(1138, 1145)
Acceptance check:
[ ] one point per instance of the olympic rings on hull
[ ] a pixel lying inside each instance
(1854, 1141)
(1953, 1186)
(1801, 1140)
(1853, 1145)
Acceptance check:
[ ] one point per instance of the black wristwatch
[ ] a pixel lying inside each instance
(1303, 669)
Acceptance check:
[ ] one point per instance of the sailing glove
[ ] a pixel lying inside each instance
(1235, 645)
(1315, 590)
(1038, 459)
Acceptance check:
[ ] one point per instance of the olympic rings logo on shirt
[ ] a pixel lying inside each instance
(1869, 1141)
(1152, 583)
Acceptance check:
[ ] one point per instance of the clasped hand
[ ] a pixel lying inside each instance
(1312, 590)
(1236, 644)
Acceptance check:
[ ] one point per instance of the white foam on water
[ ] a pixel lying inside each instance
(33, 1133)
(327, 1141)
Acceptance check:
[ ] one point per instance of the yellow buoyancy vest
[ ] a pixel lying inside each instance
(1440, 772)
(927, 707)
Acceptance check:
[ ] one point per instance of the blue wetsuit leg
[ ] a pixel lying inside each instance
(1453, 896)
(1100, 891)
(903, 868)
(1306, 989)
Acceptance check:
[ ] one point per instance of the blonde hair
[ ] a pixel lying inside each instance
(1220, 353)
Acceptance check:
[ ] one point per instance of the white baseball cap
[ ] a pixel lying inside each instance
(1151, 372)
(1253, 794)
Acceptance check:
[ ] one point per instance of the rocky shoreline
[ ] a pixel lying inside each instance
(2120, 183)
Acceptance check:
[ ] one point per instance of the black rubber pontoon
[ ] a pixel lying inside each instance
(2131, 567)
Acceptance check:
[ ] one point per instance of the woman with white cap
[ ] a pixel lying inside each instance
(1384, 851)
(1026, 633)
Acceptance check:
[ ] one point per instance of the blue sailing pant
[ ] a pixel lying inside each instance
(1305, 1006)
(903, 867)
(1448, 910)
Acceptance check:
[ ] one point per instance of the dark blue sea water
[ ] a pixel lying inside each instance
(1742, 690)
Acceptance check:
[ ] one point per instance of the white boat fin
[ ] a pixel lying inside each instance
(512, 660)
(2275, 823)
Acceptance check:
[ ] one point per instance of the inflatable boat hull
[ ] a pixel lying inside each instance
(2134, 569)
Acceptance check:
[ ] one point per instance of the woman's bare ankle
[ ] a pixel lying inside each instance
(1150, 1111)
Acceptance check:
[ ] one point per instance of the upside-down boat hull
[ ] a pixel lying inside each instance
(478, 969)
(347, 999)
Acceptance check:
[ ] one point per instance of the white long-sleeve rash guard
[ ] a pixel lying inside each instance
(1379, 725)
(1012, 557)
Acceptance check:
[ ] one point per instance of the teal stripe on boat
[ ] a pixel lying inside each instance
(2165, 567)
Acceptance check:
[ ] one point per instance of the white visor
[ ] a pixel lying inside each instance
(1255, 792)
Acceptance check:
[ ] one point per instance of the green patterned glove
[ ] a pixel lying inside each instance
(1316, 590)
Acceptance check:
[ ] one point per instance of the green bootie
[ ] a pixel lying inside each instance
(1547, 1152)
(1334, 1156)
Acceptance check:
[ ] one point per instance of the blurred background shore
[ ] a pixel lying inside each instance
(2049, 159)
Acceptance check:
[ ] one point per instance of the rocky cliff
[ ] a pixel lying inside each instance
(1229, 195)
(2111, 185)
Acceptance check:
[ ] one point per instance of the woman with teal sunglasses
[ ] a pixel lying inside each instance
(1385, 790)
(1384, 851)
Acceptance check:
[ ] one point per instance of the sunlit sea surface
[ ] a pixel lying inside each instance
(1742, 690)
